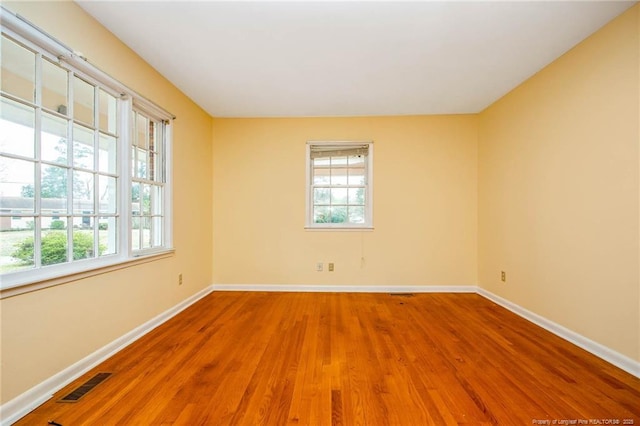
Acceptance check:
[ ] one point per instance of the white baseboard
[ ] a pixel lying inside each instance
(621, 361)
(23, 404)
(345, 288)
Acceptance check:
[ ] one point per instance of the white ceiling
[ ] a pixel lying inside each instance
(269, 59)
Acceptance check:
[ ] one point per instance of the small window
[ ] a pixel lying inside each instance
(148, 209)
(339, 178)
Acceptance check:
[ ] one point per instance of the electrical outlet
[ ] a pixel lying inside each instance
(331, 267)
(503, 276)
(179, 279)
(319, 267)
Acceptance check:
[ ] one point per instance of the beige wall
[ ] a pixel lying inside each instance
(559, 192)
(424, 203)
(48, 330)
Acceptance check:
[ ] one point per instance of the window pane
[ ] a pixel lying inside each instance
(82, 193)
(356, 177)
(17, 122)
(321, 176)
(151, 165)
(154, 167)
(53, 139)
(338, 214)
(338, 161)
(108, 232)
(54, 223)
(156, 200)
(135, 233)
(157, 231)
(146, 232)
(108, 154)
(321, 195)
(357, 160)
(155, 150)
(53, 242)
(339, 196)
(142, 127)
(108, 112)
(82, 147)
(83, 100)
(17, 184)
(18, 70)
(83, 247)
(16, 247)
(54, 87)
(135, 198)
(53, 189)
(108, 188)
(155, 138)
(146, 200)
(82, 222)
(338, 176)
(141, 169)
(151, 135)
(134, 161)
(321, 214)
(356, 214)
(322, 161)
(356, 196)
(16, 223)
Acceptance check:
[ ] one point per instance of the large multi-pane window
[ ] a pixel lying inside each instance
(339, 184)
(83, 179)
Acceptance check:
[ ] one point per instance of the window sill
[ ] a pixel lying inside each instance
(340, 228)
(44, 281)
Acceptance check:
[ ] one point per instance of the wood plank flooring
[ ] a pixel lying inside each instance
(238, 358)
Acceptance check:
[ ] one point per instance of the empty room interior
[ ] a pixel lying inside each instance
(396, 213)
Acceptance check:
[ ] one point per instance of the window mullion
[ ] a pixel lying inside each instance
(96, 167)
(69, 212)
(124, 200)
(167, 212)
(37, 184)
(70, 136)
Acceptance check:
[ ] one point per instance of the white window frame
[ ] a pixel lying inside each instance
(165, 184)
(13, 283)
(368, 206)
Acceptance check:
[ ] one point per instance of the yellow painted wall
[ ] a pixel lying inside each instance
(544, 184)
(424, 203)
(558, 200)
(46, 331)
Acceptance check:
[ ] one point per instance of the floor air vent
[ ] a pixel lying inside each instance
(401, 294)
(82, 390)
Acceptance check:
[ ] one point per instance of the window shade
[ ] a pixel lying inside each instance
(318, 151)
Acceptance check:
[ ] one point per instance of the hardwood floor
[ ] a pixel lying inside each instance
(349, 359)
